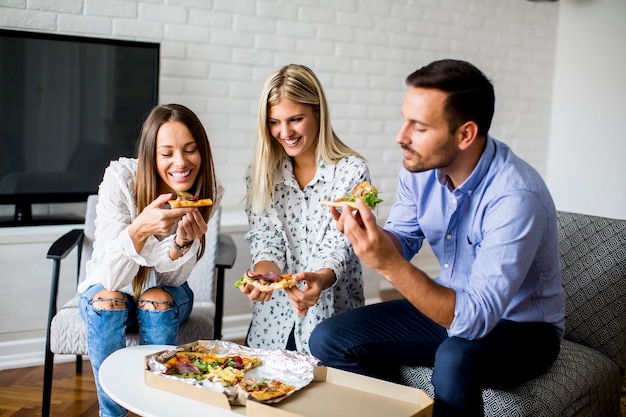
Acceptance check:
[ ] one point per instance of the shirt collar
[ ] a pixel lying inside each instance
(477, 174)
(325, 172)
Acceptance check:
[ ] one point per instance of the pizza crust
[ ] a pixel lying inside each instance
(267, 284)
(363, 190)
(283, 283)
(340, 204)
(265, 390)
(190, 203)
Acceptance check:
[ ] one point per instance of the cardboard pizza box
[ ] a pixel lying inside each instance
(332, 392)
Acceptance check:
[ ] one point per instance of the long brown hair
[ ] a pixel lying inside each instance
(147, 180)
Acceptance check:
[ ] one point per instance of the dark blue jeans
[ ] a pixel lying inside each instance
(375, 340)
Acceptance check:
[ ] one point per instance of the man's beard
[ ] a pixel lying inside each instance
(444, 157)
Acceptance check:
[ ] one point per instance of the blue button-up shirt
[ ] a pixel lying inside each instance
(495, 237)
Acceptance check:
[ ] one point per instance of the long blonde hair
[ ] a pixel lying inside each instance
(147, 180)
(299, 84)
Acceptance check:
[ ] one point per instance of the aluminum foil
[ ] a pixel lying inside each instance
(292, 368)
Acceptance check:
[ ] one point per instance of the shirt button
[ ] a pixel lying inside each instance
(446, 265)
(448, 237)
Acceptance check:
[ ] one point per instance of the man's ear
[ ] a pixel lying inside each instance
(466, 135)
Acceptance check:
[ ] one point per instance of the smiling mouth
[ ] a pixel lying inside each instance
(291, 142)
(180, 175)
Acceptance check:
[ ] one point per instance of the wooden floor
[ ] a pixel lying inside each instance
(72, 395)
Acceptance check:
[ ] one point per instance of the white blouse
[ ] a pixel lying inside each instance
(115, 262)
(299, 234)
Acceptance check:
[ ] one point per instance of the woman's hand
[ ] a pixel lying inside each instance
(253, 293)
(315, 283)
(155, 219)
(191, 225)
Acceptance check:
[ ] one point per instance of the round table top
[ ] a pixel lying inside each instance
(122, 378)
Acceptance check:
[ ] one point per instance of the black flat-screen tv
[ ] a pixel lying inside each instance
(68, 106)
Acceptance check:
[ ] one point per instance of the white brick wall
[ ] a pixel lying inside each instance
(216, 54)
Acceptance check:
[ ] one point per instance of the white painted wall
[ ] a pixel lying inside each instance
(215, 55)
(587, 153)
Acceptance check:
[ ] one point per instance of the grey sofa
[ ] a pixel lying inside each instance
(586, 379)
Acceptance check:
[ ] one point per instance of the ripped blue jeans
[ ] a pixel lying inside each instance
(106, 331)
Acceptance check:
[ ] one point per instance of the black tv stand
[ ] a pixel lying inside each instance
(23, 213)
(23, 216)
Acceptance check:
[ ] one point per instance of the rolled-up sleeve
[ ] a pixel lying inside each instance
(403, 218)
(266, 239)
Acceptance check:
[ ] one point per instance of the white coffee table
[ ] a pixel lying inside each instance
(122, 378)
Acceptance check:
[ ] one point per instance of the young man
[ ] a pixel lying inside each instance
(495, 315)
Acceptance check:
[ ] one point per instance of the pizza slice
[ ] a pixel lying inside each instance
(232, 370)
(240, 362)
(226, 369)
(228, 376)
(184, 199)
(268, 281)
(265, 389)
(364, 190)
(186, 365)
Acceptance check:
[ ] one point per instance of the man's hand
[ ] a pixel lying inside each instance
(382, 251)
(371, 243)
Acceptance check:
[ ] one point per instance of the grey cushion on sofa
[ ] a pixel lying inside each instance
(586, 378)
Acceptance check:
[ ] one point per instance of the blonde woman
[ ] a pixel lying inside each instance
(143, 251)
(299, 161)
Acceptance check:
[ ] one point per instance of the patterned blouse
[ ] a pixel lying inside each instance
(298, 234)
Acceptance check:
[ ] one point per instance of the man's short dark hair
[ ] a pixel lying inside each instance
(471, 96)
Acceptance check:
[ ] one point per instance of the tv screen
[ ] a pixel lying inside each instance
(68, 106)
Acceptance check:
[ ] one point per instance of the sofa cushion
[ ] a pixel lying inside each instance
(593, 257)
(581, 381)
(68, 333)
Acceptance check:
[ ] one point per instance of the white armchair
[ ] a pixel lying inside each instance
(66, 332)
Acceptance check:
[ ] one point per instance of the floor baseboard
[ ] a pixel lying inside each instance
(30, 352)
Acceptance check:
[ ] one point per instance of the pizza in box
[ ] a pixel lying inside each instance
(239, 372)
